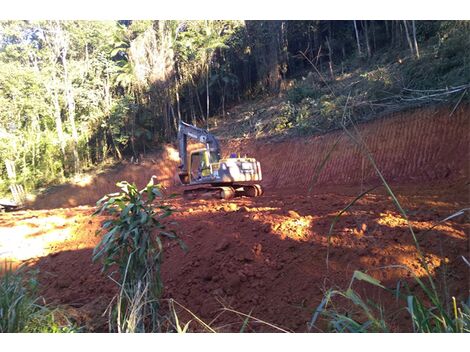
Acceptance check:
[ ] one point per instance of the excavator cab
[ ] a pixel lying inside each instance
(201, 164)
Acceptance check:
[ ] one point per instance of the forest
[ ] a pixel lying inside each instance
(75, 94)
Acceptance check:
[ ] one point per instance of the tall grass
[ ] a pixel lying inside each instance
(21, 309)
(197, 324)
(429, 309)
(133, 244)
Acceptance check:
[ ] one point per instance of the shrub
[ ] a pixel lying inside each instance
(300, 92)
(133, 244)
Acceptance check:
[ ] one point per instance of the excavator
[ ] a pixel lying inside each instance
(205, 173)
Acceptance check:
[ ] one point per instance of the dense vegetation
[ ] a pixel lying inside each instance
(76, 93)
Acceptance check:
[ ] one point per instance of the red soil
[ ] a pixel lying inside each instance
(267, 255)
(421, 146)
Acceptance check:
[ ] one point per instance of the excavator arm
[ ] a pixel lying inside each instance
(184, 131)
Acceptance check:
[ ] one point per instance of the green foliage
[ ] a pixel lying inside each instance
(378, 83)
(118, 124)
(35, 85)
(286, 118)
(431, 319)
(371, 321)
(298, 93)
(133, 243)
(20, 309)
(427, 315)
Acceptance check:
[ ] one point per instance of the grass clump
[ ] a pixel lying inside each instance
(426, 309)
(21, 309)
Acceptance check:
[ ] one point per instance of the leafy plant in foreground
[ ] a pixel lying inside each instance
(133, 244)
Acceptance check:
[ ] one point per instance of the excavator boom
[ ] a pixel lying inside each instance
(184, 131)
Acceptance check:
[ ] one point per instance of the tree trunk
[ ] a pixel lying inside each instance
(400, 32)
(58, 123)
(265, 39)
(316, 37)
(414, 38)
(207, 97)
(107, 90)
(374, 43)
(284, 45)
(330, 57)
(357, 39)
(198, 100)
(57, 118)
(133, 135)
(222, 89)
(408, 38)
(191, 106)
(366, 33)
(68, 90)
(54, 91)
(177, 87)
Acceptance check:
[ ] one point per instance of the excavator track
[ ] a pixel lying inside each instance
(223, 192)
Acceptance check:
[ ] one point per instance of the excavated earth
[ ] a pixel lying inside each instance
(267, 256)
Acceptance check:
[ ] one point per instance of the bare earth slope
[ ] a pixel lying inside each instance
(421, 146)
(267, 255)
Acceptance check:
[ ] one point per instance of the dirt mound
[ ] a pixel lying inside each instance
(268, 256)
(264, 255)
(89, 189)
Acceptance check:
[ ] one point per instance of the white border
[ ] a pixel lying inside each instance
(233, 9)
(234, 342)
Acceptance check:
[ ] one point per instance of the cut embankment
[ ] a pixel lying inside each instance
(424, 145)
(420, 146)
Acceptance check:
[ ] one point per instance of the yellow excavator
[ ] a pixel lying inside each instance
(204, 172)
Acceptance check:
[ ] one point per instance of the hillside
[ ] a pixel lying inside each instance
(267, 255)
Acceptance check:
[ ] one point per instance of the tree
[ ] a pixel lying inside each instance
(357, 39)
(408, 38)
(414, 38)
(265, 39)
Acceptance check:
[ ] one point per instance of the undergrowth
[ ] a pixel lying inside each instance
(387, 82)
(22, 310)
